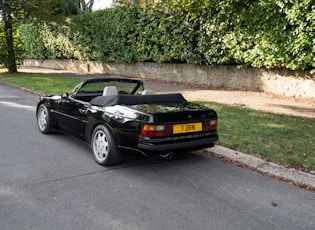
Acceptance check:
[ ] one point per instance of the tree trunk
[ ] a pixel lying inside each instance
(90, 5)
(85, 7)
(11, 59)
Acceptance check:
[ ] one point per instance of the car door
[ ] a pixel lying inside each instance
(72, 116)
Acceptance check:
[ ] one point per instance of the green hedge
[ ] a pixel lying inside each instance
(263, 33)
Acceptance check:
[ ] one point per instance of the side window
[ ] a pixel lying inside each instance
(88, 91)
(94, 87)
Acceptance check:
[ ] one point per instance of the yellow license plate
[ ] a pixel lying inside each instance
(187, 128)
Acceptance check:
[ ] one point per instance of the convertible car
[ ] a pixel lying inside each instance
(113, 114)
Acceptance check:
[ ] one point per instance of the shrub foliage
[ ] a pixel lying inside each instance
(263, 33)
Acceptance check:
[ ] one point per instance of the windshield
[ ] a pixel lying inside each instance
(98, 87)
(95, 87)
(74, 91)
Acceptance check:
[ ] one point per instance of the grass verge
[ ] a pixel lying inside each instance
(283, 139)
(47, 83)
(287, 140)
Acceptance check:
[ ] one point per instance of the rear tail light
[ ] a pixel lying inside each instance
(156, 130)
(167, 130)
(210, 125)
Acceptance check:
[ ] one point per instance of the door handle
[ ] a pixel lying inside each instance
(82, 111)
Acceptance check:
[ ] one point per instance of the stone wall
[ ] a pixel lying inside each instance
(298, 84)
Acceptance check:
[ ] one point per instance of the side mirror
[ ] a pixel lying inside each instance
(64, 95)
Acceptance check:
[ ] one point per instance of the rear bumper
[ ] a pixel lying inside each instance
(188, 144)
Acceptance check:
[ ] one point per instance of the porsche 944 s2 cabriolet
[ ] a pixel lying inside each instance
(112, 114)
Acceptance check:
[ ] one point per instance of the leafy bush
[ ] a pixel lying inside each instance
(263, 33)
(47, 40)
(33, 43)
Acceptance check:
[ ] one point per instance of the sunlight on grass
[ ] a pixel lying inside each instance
(47, 83)
(275, 126)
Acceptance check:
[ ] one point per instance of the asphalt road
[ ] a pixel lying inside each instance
(53, 182)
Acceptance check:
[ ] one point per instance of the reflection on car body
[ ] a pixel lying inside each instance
(112, 114)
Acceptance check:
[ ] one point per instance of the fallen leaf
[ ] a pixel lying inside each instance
(274, 204)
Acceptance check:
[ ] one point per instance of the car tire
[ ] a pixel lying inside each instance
(43, 119)
(104, 147)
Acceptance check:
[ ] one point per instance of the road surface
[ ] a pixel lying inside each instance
(53, 182)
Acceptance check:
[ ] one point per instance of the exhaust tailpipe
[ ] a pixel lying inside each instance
(167, 156)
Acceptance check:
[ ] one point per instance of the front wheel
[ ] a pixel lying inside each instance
(43, 119)
(104, 148)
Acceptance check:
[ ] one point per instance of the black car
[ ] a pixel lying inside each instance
(113, 114)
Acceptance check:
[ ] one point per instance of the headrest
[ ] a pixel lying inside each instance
(110, 90)
(147, 92)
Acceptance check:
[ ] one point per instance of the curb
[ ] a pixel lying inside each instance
(302, 179)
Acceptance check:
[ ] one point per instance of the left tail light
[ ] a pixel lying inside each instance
(156, 130)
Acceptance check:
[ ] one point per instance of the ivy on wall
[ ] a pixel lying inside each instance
(264, 33)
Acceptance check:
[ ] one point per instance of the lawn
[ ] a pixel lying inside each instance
(47, 83)
(287, 140)
(283, 139)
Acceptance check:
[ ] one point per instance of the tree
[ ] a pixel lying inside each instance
(7, 18)
(13, 12)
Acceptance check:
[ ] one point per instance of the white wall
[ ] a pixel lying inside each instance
(101, 4)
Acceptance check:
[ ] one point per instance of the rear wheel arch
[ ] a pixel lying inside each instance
(91, 127)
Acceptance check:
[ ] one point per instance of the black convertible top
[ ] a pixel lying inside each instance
(124, 99)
